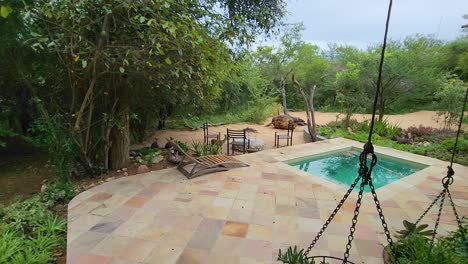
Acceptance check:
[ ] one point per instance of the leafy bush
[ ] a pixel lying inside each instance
(201, 149)
(462, 145)
(30, 232)
(458, 241)
(149, 154)
(182, 145)
(381, 128)
(292, 256)
(58, 192)
(416, 249)
(411, 228)
(52, 136)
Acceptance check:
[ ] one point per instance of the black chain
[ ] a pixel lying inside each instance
(430, 206)
(454, 209)
(352, 229)
(330, 218)
(381, 216)
(444, 192)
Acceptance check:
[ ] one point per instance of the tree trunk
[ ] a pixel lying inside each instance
(283, 94)
(120, 133)
(313, 133)
(310, 121)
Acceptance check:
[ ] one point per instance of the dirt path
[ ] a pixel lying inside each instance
(426, 118)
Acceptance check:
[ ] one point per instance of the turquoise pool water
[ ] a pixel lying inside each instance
(342, 167)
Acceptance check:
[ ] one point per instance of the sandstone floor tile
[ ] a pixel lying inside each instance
(258, 249)
(229, 246)
(137, 250)
(93, 259)
(235, 229)
(163, 254)
(136, 201)
(193, 256)
(259, 232)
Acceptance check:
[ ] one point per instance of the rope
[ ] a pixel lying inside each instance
(379, 77)
(459, 129)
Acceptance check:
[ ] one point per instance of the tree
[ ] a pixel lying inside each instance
(350, 92)
(450, 98)
(275, 62)
(111, 54)
(311, 69)
(409, 72)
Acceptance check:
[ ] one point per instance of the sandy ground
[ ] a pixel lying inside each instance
(426, 118)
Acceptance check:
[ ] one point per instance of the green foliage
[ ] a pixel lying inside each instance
(433, 149)
(293, 256)
(457, 241)
(411, 228)
(148, 154)
(450, 97)
(416, 249)
(462, 145)
(52, 136)
(58, 192)
(382, 128)
(30, 232)
(202, 149)
(182, 145)
(349, 90)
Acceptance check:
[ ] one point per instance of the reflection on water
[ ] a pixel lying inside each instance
(343, 167)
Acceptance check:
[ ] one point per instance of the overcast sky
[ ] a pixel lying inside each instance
(361, 22)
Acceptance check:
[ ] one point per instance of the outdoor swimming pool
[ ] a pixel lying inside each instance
(342, 167)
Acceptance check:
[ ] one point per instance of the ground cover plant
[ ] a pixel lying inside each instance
(427, 141)
(30, 232)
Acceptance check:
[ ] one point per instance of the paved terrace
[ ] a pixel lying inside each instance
(246, 214)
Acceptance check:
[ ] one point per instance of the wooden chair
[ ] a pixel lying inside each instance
(237, 138)
(193, 167)
(207, 135)
(288, 136)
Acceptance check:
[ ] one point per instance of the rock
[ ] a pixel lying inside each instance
(350, 130)
(44, 188)
(155, 145)
(282, 121)
(134, 153)
(124, 169)
(118, 171)
(125, 174)
(110, 179)
(173, 157)
(156, 159)
(142, 169)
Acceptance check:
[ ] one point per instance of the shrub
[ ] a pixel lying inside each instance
(458, 241)
(292, 256)
(462, 145)
(182, 145)
(148, 154)
(58, 192)
(30, 232)
(201, 149)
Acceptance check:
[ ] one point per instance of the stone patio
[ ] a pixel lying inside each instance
(246, 214)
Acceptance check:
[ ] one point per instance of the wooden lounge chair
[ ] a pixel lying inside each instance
(193, 167)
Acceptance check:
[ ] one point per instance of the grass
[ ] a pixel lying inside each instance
(31, 233)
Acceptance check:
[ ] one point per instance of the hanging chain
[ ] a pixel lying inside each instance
(444, 192)
(352, 229)
(454, 209)
(330, 218)
(429, 208)
(381, 216)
